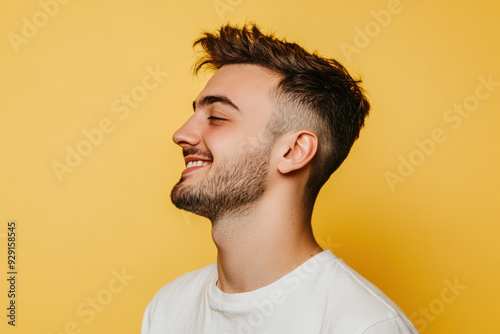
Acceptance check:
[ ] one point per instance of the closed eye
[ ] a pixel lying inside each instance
(216, 119)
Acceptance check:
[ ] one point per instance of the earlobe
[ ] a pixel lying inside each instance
(300, 148)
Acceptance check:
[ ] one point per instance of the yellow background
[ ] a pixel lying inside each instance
(112, 213)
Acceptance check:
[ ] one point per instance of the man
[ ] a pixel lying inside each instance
(268, 130)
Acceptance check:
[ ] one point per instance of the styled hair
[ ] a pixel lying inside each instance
(315, 93)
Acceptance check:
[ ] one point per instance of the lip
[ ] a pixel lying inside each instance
(191, 169)
(190, 158)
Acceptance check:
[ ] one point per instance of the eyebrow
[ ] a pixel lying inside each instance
(211, 99)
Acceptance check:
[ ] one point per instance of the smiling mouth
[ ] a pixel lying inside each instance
(197, 163)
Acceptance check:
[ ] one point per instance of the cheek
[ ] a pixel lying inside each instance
(224, 144)
(230, 141)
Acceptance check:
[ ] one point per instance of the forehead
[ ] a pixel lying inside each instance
(247, 86)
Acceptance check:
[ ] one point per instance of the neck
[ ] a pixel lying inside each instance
(261, 245)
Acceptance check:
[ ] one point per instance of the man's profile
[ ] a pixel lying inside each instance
(269, 128)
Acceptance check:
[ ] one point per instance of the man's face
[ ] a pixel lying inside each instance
(226, 144)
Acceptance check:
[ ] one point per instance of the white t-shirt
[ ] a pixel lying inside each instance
(323, 295)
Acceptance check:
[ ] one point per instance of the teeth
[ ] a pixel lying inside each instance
(196, 163)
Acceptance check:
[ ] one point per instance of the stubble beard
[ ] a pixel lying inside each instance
(230, 189)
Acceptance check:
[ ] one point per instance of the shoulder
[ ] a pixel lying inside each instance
(164, 306)
(357, 305)
(395, 325)
(189, 284)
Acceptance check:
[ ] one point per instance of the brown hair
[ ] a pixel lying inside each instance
(315, 93)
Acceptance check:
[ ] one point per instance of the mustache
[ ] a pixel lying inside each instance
(197, 152)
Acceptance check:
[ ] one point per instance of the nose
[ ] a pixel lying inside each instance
(188, 134)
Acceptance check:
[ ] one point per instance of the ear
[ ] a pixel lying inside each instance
(299, 148)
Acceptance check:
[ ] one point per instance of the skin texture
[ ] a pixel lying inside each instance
(252, 185)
